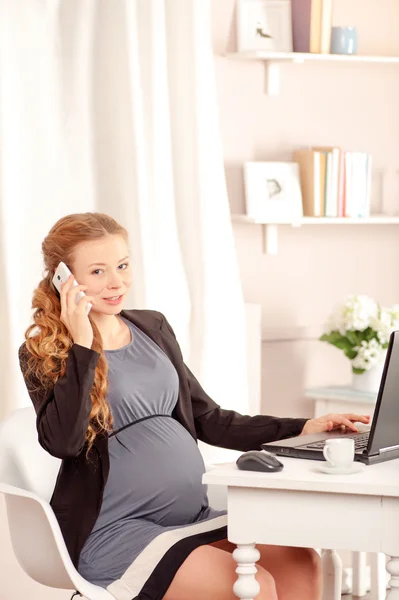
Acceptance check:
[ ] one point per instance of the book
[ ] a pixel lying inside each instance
(332, 179)
(348, 185)
(323, 174)
(357, 184)
(311, 181)
(329, 200)
(360, 183)
(341, 186)
(368, 184)
(306, 25)
(326, 25)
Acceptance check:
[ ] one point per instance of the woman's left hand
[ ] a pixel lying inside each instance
(332, 421)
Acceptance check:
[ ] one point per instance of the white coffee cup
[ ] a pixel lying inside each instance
(339, 452)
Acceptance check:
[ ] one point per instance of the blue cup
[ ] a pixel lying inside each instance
(343, 40)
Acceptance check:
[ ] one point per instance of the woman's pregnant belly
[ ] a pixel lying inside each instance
(155, 473)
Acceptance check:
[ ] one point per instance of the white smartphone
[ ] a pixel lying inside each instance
(61, 275)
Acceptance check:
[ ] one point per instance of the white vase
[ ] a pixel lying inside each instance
(369, 381)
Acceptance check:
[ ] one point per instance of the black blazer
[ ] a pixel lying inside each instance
(63, 417)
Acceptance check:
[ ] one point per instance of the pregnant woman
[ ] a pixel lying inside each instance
(116, 403)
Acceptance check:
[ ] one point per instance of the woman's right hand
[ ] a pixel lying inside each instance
(74, 315)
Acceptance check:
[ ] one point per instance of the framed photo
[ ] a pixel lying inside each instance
(273, 191)
(264, 25)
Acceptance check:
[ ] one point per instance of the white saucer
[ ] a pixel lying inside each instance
(355, 468)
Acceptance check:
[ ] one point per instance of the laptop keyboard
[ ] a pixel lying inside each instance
(361, 441)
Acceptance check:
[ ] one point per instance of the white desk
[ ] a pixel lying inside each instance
(300, 507)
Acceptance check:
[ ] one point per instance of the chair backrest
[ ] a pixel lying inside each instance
(23, 462)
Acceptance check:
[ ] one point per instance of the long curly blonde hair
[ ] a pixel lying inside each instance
(48, 341)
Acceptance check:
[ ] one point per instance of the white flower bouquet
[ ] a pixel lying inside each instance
(361, 328)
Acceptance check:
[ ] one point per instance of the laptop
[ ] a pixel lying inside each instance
(377, 444)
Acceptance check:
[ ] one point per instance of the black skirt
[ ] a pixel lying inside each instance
(151, 573)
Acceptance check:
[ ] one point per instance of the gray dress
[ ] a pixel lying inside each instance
(154, 482)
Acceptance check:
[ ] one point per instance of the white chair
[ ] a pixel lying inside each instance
(27, 479)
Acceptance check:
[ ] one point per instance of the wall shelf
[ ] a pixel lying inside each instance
(274, 59)
(270, 228)
(301, 57)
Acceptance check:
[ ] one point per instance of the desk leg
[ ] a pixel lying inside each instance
(359, 583)
(393, 570)
(378, 576)
(332, 575)
(246, 587)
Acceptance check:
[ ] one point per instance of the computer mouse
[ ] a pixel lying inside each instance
(259, 460)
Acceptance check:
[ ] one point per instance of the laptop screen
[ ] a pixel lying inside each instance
(385, 428)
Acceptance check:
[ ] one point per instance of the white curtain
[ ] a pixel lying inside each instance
(111, 105)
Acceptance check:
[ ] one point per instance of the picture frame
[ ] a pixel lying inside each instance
(264, 25)
(273, 191)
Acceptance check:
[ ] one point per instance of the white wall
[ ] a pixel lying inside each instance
(354, 107)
